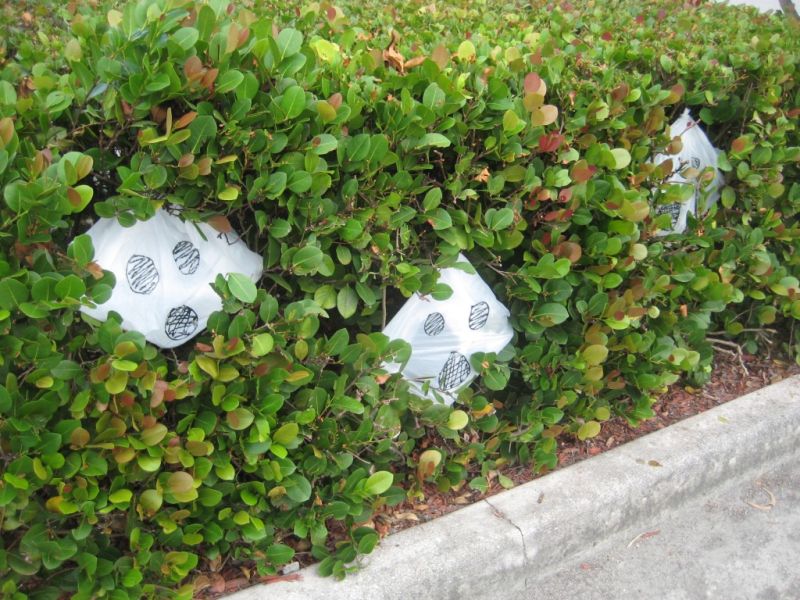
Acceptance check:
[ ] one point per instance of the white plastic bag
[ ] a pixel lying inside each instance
(697, 153)
(444, 334)
(164, 267)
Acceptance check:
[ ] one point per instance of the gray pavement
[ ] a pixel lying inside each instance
(739, 543)
(761, 5)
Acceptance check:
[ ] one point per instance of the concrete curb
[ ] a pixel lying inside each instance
(505, 541)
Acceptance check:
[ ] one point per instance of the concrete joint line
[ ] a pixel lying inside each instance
(501, 515)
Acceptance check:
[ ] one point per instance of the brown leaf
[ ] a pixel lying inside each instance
(415, 62)
(184, 120)
(74, 197)
(267, 579)
(440, 56)
(186, 160)
(620, 92)
(209, 78)
(483, 176)
(392, 56)
(193, 68)
(221, 224)
(95, 270)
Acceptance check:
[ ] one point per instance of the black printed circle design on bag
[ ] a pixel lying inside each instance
(141, 274)
(478, 315)
(454, 372)
(434, 324)
(187, 257)
(181, 323)
(674, 210)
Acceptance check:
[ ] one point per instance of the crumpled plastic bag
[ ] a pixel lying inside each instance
(164, 267)
(444, 334)
(697, 153)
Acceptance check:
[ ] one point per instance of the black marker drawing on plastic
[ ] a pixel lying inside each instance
(434, 324)
(187, 257)
(142, 274)
(478, 315)
(454, 372)
(230, 238)
(181, 323)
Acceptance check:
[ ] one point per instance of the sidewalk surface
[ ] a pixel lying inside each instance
(742, 542)
(707, 508)
(762, 5)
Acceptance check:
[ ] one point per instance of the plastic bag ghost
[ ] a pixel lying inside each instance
(444, 334)
(697, 153)
(164, 267)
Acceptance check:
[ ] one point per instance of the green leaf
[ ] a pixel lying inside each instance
(279, 554)
(186, 37)
(307, 260)
(458, 420)
(324, 143)
(293, 101)
(154, 435)
(432, 140)
(440, 219)
(466, 51)
(286, 434)
(239, 419)
(242, 287)
(497, 220)
(289, 42)
(229, 194)
(12, 293)
(378, 482)
(588, 430)
(120, 496)
(81, 250)
(551, 314)
(347, 302)
(262, 344)
(595, 354)
(622, 158)
(228, 81)
(8, 95)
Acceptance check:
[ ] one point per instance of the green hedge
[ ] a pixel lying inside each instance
(357, 161)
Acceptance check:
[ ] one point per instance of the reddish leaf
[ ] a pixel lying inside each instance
(568, 250)
(582, 171)
(550, 142)
(532, 83)
(335, 100)
(158, 393)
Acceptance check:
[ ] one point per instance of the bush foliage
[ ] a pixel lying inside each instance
(358, 148)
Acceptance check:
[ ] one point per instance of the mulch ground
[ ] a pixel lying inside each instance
(731, 379)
